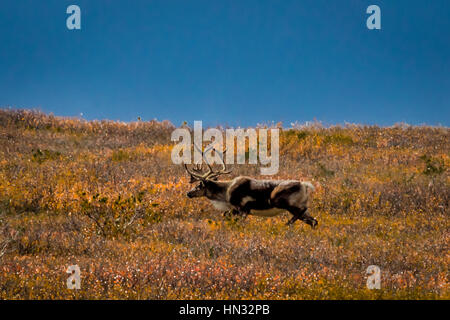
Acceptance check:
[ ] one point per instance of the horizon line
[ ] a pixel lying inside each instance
(295, 124)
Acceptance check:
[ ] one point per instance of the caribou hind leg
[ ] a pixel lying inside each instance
(296, 214)
(306, 217)
(293, 198)
(301, 214)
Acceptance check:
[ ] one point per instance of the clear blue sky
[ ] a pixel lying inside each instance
(229, 62)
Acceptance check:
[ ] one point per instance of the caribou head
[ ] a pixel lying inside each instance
(207, 184)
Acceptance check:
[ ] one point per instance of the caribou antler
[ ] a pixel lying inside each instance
(224, 167)
(196, 174)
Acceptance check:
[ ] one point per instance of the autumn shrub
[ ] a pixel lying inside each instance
(118, 216)
(106, 196)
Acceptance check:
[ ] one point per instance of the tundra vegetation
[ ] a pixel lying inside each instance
(105, 196)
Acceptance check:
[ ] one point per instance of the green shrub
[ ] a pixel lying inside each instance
(40, 156)
(338, 138)
(432, 166)
(120, 155)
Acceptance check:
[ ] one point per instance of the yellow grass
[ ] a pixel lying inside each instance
(105, 196)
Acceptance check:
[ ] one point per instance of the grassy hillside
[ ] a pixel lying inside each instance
(106, 196)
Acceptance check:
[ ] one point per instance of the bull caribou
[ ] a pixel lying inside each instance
(247, 196)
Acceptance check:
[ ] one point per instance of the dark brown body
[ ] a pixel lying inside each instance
(245, 195)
